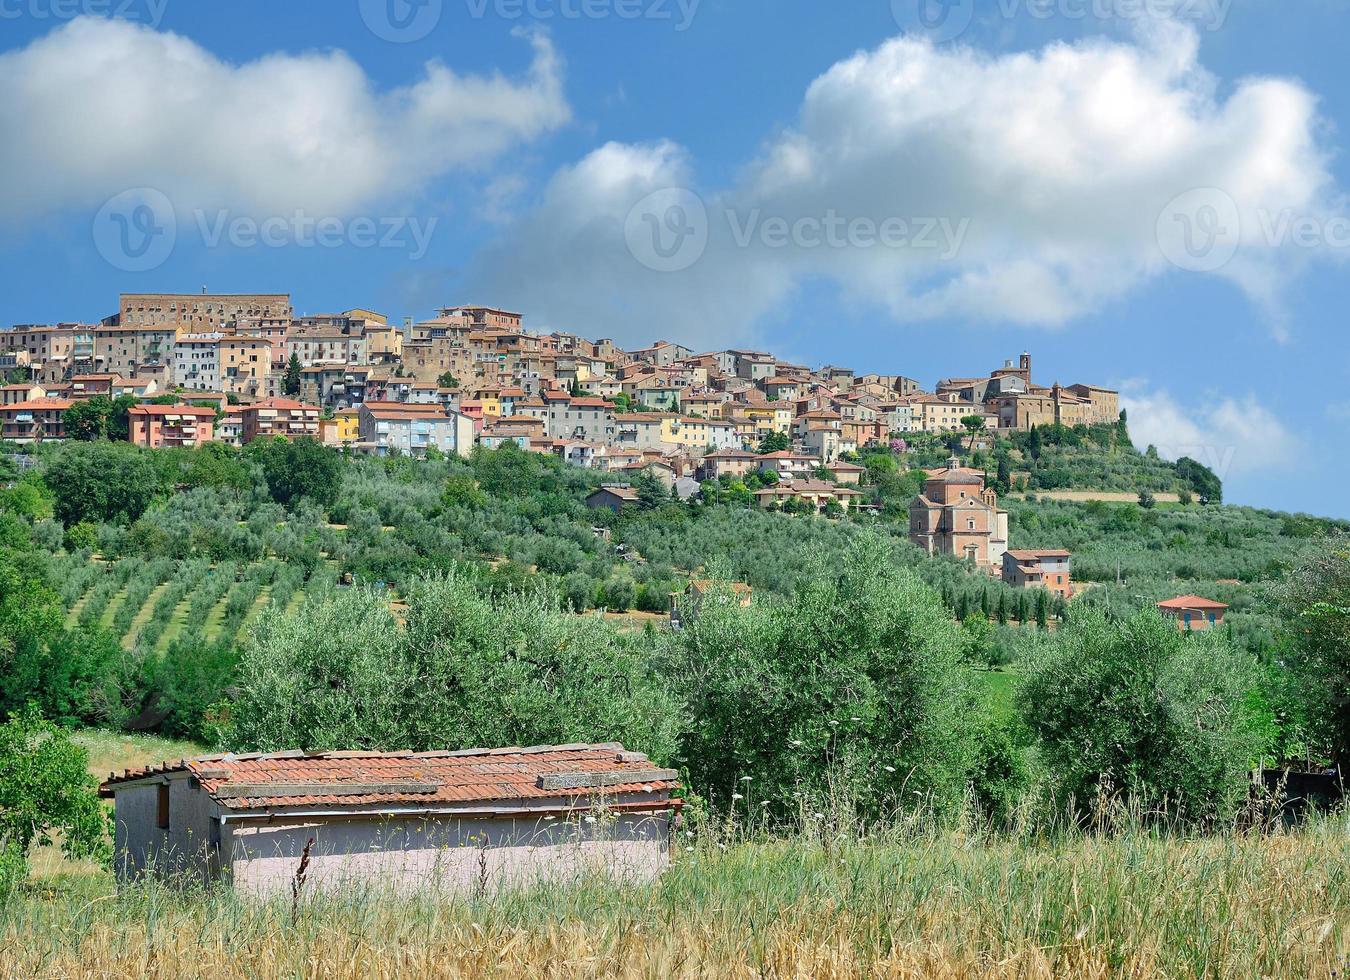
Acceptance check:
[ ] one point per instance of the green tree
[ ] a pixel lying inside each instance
(467, 671)
(463, 491)
(290, 384)
(101, 482)
(775, 442)
(99, 417)
(1146, 499)
(31, 615)
(448, 380)
(220, 467)
(1202, 479)
(1137, 708)
(46, 795)
(1314, 606)
(974, 424)
(299, 468)
(856, 684)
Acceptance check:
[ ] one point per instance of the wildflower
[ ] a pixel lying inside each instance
(737, 796)
(745, 779)
(833, 722)
(890, 768)
(855, 718)
(688, 848)
(818, 816)
(590, 819)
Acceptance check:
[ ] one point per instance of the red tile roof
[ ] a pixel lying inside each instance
(431, 778)
(196, 411)
(1191, 602)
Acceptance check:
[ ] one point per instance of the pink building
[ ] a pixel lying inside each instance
(158, 426)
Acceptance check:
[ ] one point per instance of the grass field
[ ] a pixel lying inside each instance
(948, 905)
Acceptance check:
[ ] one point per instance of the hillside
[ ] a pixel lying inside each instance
(167, 598)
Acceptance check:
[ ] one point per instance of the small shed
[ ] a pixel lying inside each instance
(612, 497)
(457, 822)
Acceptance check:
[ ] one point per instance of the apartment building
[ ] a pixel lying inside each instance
(391, 429)
(159, 426)
(322, 345)
(278, 417)
(37, 420)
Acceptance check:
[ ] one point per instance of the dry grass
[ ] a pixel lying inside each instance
(1135, 905)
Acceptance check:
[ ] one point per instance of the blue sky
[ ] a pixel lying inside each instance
(1037, 166)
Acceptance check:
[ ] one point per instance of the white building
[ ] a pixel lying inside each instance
(452, 822)
(196, 362)
(391, 428)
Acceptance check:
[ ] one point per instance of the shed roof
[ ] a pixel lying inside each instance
(358, 779)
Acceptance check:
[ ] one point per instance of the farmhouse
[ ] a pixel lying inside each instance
(449, 821)
(1193, 613)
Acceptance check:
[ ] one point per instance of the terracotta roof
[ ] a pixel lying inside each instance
(431, 778)
(1191, 602)
(60, 404)
(289, 404)
(194, 410)
(1035, 555)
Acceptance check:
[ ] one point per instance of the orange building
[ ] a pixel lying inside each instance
(1193, 613)
(158, 426)
(1041, 569)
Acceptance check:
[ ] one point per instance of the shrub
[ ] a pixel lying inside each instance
(856, 684)
(46, 795)
(1139, 708)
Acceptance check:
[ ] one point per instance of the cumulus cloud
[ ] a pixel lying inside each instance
(101, 105)
(1232, 436)
(1034, 188)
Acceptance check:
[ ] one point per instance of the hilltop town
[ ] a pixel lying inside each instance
(199, 368)
(590, 401)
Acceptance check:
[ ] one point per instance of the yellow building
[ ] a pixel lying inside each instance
(694, 433)
(343, 429)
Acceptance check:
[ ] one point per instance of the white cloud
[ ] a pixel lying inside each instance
(1232, 436)
(101, 105)
(1057, 164)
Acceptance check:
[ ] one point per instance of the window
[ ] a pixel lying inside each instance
(162, 808)
(1187, 619)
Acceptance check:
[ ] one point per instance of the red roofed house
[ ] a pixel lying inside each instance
(1042, 569)
(1194, 614)
(157, 426)
(448, 821)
